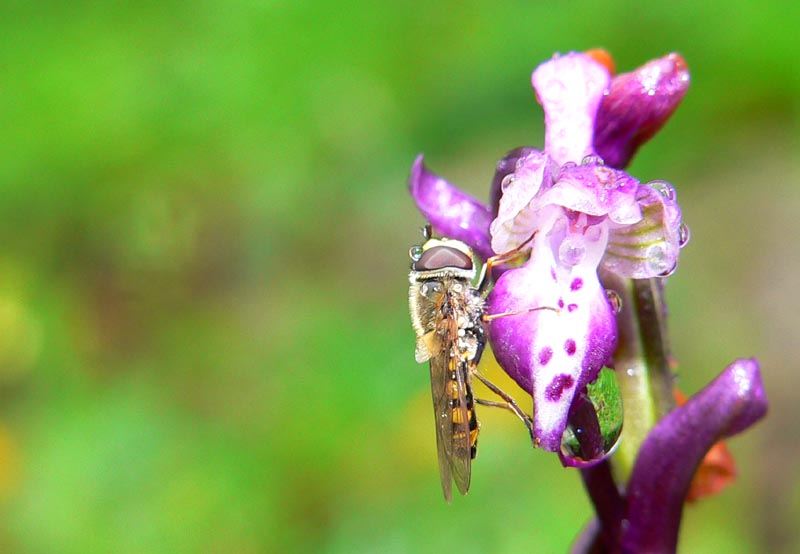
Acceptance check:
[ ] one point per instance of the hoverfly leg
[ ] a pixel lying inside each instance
(509, 404)
(525, 418)
(490, 317)
(510, 256)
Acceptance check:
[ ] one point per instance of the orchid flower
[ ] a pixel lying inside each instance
(584, 214)
(596, 228)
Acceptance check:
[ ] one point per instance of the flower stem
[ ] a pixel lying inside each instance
(642, 362)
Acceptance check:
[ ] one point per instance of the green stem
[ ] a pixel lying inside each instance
(642, 363)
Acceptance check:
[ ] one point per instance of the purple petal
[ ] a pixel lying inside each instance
(505, 167)
(650, 247)
(453, 213)
(552, 354)
(675, 447)
(596, 190)
(517, 216)
(570, 89)
(637, 105)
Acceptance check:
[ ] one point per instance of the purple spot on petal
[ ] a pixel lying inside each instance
(545, 354)
(556, 388)
(569, 347)
(576, 284)
(553, 273)
(572, 307)
(560, 302)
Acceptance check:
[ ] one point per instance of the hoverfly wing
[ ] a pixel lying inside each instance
(452, 415)
(443, 419)
(464, 429)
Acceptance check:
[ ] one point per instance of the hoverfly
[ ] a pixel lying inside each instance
(447, 313)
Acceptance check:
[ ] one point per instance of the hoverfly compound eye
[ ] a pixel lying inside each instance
(440, 257)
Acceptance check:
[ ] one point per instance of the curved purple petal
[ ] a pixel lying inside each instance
(453, 213)
(650, 247)
(596, 190)
(675, 447)
(570, 89)
(552, 353)
(637, 105)
(505, 167)
(516, 214)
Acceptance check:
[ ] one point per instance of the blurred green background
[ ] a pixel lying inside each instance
(204, 338)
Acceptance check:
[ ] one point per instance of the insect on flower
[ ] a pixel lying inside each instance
(447, 313)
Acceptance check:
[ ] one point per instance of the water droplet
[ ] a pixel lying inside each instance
(663, 188)
(571, 252)
(593, 160)
(657, 260)
(415, 252)
(595, 423)
(683, 235)
(669, 272)
(431, 290)
(507, 181)
(615, 300)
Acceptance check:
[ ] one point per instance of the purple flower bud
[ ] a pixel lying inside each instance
(637, 105)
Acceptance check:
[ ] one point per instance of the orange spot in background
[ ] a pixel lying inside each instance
(716, 471)
(602, 57)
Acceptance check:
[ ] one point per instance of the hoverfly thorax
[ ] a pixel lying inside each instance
(441, 287)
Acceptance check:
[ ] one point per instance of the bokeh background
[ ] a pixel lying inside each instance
(204, 224)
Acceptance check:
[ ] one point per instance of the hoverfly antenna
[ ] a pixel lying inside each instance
(427, 231)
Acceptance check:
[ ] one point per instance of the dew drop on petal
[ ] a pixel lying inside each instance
(506, 182)
(415, 252)
(663, 188)
(657, 260)
(683, 235)
(571, 252)
(593, 160)
(615, 300)
(669, 272)
(580, 444)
